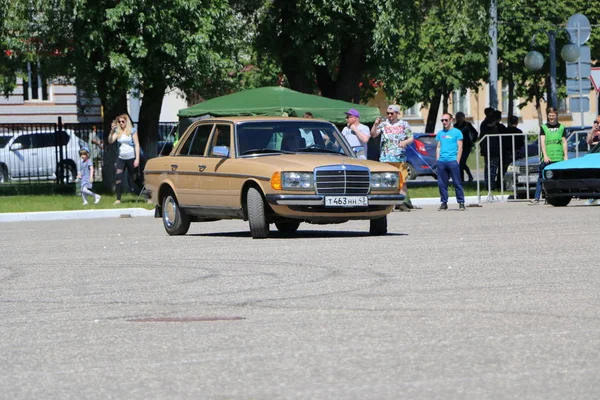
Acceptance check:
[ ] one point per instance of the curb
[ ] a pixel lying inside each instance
(142, 212)
(77, 214)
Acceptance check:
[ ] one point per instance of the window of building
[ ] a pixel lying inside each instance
(460, 102)
(35, 86)
(563, 107)
(414, 111)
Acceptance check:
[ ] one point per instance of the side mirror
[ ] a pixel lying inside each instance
(359, 151)
(220, 151)
(16, 146)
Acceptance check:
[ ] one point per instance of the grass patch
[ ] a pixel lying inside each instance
(66, 203)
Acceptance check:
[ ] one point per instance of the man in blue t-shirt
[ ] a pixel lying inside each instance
(448, 152)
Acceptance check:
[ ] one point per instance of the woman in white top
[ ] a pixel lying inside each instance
(126, 136)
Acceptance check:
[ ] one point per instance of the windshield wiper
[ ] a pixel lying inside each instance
(318, 149)
(259, 151)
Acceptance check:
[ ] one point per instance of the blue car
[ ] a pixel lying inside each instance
(577, 177)
(420, 156)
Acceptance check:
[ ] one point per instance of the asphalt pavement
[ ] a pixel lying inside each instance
(497, 302)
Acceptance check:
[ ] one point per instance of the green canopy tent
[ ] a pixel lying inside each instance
(275, 101)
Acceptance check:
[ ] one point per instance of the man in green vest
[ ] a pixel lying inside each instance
(553, 147)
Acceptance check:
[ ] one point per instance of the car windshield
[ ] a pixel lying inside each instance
(276, 137)
(4, 140)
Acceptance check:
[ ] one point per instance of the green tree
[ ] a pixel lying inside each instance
(112, 47)
(519, 22)
(442, 47)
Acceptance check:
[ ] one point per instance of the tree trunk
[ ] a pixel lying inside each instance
(296, 75)
(353, 61)
(434, 107)
(149, 119)
(446, 101)
(511, 96)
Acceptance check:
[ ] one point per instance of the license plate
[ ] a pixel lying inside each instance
(346, 201)
(523, 178)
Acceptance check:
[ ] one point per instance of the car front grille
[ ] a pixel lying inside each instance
(576, 173)
(342, 180)
(533, 169)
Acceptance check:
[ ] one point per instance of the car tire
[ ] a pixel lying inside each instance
(259, 229)
(378, 226)
(175, 220)
(412, 173)
(66, 173)
(287, 227)
(3, 175)
(559, 201)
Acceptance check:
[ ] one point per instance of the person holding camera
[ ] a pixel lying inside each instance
(396, 135)
(123, 132)
(594, 136)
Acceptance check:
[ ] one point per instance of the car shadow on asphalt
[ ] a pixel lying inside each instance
(301, 234)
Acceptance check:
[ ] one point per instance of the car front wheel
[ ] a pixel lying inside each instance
(175, 220)
(378, 226)
(259, 228)
(559, 201)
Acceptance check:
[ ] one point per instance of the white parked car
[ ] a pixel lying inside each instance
(37, 156)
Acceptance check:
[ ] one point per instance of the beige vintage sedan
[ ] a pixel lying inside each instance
(268, 170)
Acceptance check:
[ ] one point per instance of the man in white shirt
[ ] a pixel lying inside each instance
(356, 133)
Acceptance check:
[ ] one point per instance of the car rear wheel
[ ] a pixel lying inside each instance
(3, 175)
(412, 173)
(259, 229)
(559, 201)
(378, 226)
(175, 220)
(66, 173)
(287, 227)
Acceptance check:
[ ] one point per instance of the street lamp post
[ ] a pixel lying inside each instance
(535, 61)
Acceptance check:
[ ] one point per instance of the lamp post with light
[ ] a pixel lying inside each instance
(534, 61)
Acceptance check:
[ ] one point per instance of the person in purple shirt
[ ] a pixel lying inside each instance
(448, 153)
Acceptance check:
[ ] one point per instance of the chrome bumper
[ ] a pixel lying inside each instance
(319, 200)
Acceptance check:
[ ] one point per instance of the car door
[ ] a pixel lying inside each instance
(217, 189)
(190, 163)
(20, 164)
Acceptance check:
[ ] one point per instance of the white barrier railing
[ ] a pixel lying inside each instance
(523, 174)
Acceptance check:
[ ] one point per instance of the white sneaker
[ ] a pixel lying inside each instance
(590, 202)
(97, 199)
(85, 203)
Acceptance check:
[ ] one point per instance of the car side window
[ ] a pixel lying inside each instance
(25, 141)
(222, 137)
(196, 142)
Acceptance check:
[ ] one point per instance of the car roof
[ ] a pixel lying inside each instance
(238, 119)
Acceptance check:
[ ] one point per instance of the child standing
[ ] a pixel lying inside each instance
(85, 175)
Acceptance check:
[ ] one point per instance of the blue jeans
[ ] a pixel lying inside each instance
(538, 185)
(446, 170)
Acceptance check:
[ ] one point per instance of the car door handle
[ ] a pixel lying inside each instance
(174, 167)
(201, 168)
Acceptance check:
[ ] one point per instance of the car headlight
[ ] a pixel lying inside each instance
(385, 180)
(297, 180)
(512, 168)
(549, 174)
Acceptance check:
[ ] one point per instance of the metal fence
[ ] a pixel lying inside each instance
(511, 170)
(33, 152)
